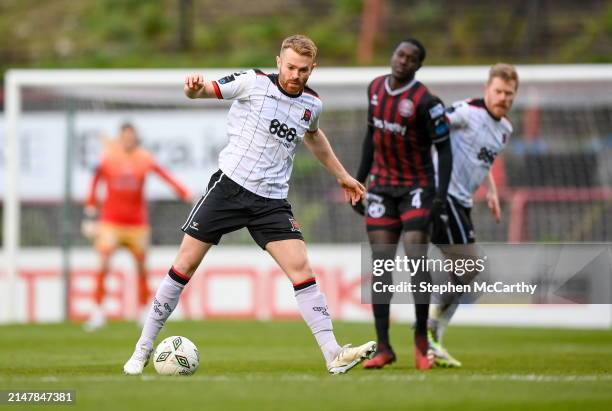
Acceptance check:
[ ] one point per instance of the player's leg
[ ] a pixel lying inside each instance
(190, 254)
(384, 228)
(415, 243)
(415, 214)
(105, 243)
(446, 304)
(274, 228)
(456, 241)
(213, 216)
(292, 258)
(383, 244)
(137, 241)
(143, 292)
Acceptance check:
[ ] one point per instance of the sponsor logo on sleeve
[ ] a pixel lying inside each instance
(227, 79)
(436, 111)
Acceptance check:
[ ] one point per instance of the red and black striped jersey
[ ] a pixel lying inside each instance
(403, 124)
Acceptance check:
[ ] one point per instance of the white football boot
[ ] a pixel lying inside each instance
(137, 361)
(348, 357)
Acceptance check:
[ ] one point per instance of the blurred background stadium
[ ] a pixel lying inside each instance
(554, 178)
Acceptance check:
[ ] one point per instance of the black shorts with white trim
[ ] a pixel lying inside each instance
(227, 207)
(459, 230)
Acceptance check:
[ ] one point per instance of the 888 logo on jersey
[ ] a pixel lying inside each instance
(282, 130)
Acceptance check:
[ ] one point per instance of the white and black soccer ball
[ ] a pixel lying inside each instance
(176, 356)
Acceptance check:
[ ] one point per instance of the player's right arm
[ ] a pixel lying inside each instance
(367, 148)
(365, 165)
(235, 86)
(92, 198)
(367, 155)
(90, 211)
(198, 87)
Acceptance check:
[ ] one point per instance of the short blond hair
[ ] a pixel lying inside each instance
(301, 44)
(504, 71)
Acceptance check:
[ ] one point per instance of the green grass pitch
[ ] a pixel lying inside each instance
(277, 366)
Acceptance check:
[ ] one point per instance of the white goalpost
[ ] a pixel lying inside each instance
(341, 89)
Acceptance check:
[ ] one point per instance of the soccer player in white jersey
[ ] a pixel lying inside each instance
(479, 132)
(269, 116)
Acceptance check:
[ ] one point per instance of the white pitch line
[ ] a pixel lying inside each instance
(312, 377)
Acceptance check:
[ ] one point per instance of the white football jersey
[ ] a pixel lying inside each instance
(264, 126)
(476, 139)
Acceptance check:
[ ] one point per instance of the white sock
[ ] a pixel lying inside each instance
(445, 318)
(439, 317)
(313, 307)
(164, 303)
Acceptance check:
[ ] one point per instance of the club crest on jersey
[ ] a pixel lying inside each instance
(307, 115)
(374, 100)
(295, 226)
(406, 108)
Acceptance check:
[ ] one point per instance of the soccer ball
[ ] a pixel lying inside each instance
(176, 356)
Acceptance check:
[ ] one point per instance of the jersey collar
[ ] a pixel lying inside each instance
(274, 78)
(399, 90)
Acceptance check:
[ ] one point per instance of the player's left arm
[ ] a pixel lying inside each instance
(181, 191)
(318, 144)
(493, 198)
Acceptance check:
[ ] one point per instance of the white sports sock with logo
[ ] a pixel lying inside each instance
(313, 307)
(165, 301)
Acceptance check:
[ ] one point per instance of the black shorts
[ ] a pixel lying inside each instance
(228, 207)
(399, 208)
(459, 230)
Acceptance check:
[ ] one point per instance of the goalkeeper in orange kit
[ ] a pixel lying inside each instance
(121, 218)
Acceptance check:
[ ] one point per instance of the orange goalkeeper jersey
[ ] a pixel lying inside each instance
(124, 174)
